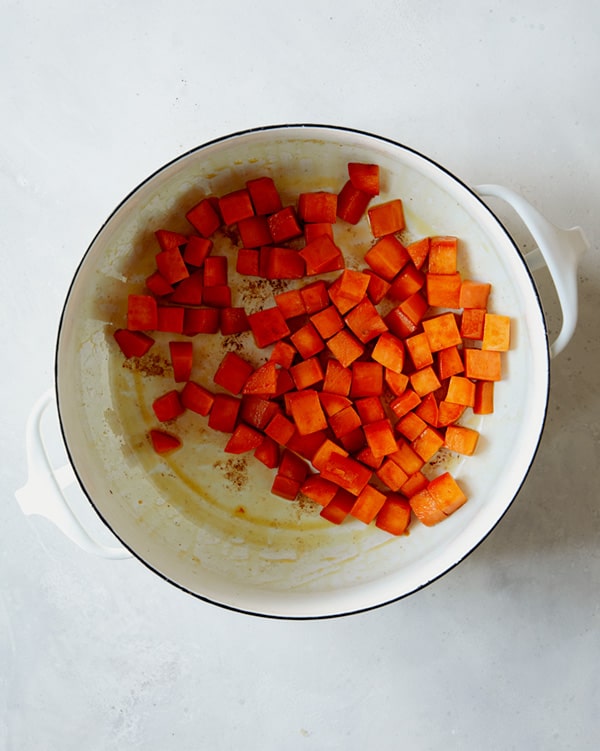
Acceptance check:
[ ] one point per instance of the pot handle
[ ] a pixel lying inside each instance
(43, 494)
(558, 249)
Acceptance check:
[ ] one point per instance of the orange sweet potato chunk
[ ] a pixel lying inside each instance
(496, 332)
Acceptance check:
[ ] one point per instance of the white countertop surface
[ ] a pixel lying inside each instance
(501, 653)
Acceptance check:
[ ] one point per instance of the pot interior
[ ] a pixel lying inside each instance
(206, 520)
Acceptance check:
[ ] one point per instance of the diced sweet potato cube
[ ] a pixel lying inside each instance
(446, 493)
(370, 409)
(169, 239)
(386, 218)
(419, 251)
(482, 365)
(197, 250)
(307, 341)
(235, 206)
(234, 321)
(394, 515)
(263, 381)
(268, 452)
(407, 458)
(327, 322)
(442, 331)
(378, 287)
(392, 475)
(352, 203)
(284, 263)
(197, 398)
(163, 442)
(367, 379)
(324, 453)
(347, 473)
(424, 381)
(315, 296)
(316, 229)
(293, 466)
(449, 413)
(306, 373)
(285, 487)
(142, 313)
(254, 231)
(365, 322)
(333, 403)
(158, 285)
(182, 360)
(425, 508)
(233, 372)
(307, 445)
(471, 323)
(387, 257)
(307, 412)
(354, 441)
(443, 290)
(365, 456)
(428, 443)
(461, 439)
(474, 294)
(416, 482)
(168, 406)
(257, 411)
(290, 303)
(399, 323)
(284, 225)
(442, 255)
(389, 352)
(204, 217)
(396, 382)
(345, 347)
(224, 413)
(339, 507)
(411, 426)
(419, 350)
(170, 319)
(368, 504)
(344, 422)
(484, 398)
(321, 254)
(280, 429)
(338, 378)
(218, 296)
(248, 262)
(449, 363)
(317, 206)
(264, 195)
(461, 390)
(414, 308)
(244, 438)
(380, 437)
(268, 326)
(364, 177)
(406, 283)
(318, 489)
(428, 410)
(201, 321)
(353, 285)
(405, 402)
(283, 354)
(496, 332)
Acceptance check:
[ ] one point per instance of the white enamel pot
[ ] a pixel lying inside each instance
(207, 522)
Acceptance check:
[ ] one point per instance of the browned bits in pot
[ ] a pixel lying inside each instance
(235, 471)
(149, 365)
